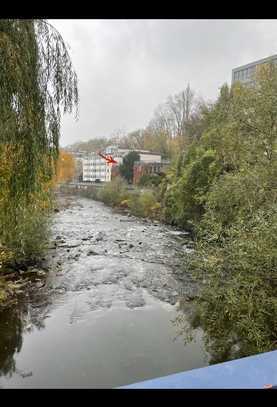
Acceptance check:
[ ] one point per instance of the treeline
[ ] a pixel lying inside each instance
(173, 126)
(223, 188)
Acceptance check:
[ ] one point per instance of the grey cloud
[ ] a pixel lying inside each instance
(127, 67)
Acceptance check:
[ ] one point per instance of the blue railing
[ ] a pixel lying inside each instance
(253, 372)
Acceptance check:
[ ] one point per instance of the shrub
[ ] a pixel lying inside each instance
(114, 192)
(238, 305)
(184, 200)
(150, 180)
(144, 204)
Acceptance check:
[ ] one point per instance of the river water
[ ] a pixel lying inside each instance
(104, 313)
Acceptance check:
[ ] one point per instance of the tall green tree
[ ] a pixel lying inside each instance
(127, 167)
(37, 85)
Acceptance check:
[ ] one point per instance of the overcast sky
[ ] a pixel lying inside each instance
(126, 68)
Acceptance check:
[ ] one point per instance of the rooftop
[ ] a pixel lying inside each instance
(259, 61)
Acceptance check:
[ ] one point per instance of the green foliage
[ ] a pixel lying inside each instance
(224, 187)
(38, 84)
(113, 192)
(185, 198)
(144, 204)
(150, 180)
(126, 168)
(141, 203)
(238, 303)
(37, 81)
(28, 232)
(11, 338)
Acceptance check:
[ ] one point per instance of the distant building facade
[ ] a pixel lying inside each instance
(246, 73)
(144, 155)
(95, 168)
(149, 168)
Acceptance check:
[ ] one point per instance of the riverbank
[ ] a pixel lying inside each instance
(127, 199)
(20, 275)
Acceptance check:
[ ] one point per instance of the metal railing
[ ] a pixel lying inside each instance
(253, 372)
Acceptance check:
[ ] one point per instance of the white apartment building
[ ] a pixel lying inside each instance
(96, 168)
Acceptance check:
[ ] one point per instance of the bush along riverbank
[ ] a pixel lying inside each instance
(140, 202)
(24, 249)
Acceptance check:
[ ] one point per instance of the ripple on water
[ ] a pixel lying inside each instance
(104, 319)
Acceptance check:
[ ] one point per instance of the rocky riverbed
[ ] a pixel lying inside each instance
(104, 270)
(114, 257)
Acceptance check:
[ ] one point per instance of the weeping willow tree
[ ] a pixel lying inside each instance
(37, 85)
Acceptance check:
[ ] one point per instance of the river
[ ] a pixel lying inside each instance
(104, 313)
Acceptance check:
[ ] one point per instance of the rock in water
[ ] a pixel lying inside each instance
(135, 301)
(100, 236)
(91, 253)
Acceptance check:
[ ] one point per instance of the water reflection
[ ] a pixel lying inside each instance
(11, 331)
(16, 320)
(220, 346)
